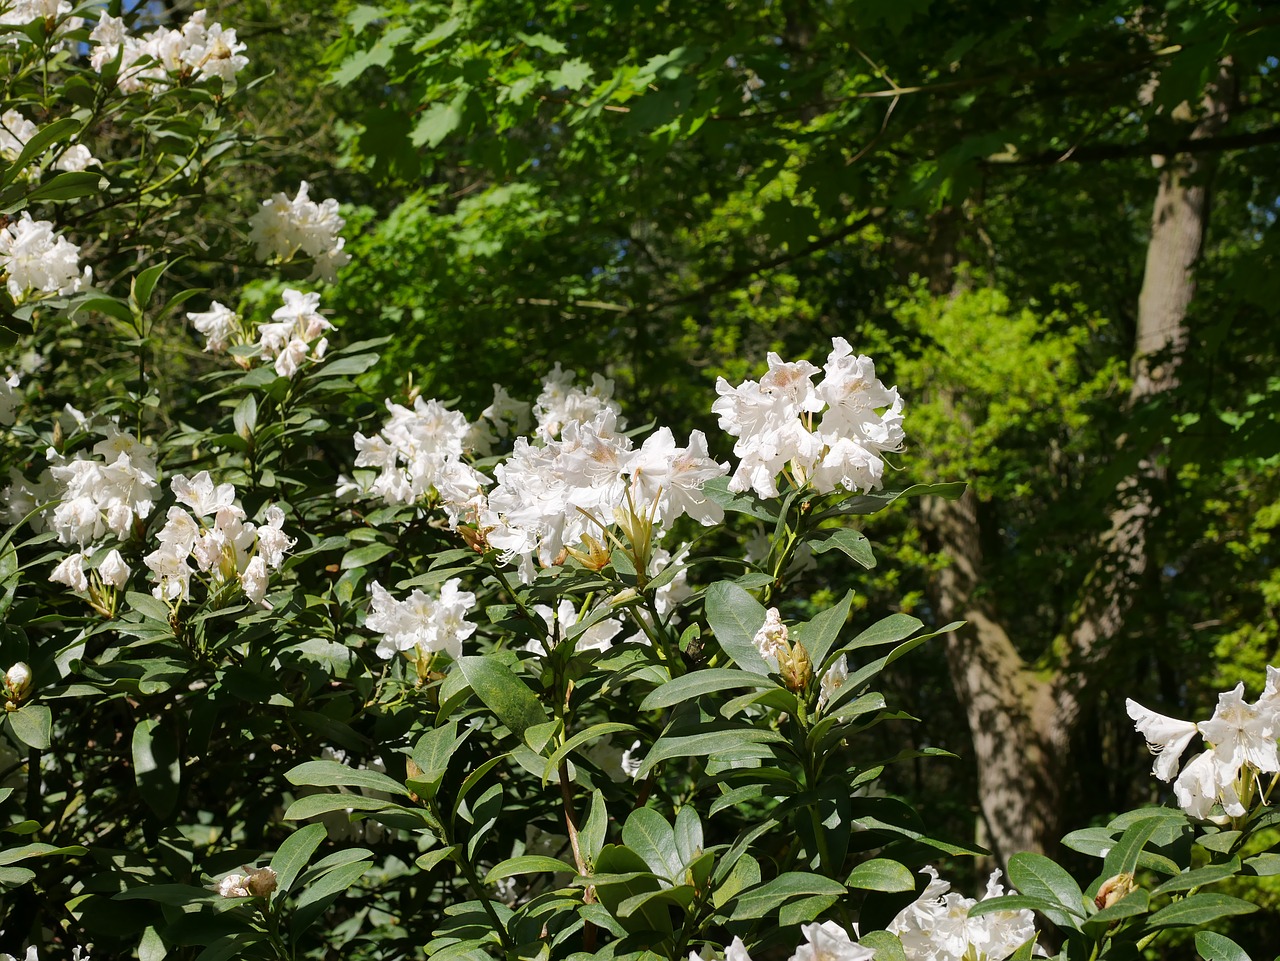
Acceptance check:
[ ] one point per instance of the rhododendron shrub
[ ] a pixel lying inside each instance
(295, 671)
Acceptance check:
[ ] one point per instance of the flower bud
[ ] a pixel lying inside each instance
(17, 681)
(795, 667)
(595, 557)
(261, 882)
(1114, 889)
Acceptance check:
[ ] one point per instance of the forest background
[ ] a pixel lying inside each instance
(1051, 223)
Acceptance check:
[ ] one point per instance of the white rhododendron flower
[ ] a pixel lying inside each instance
(631, 763)
(937, 926)
(736, 951)
(421, 624)
(828, 941)
(113, 570)
(70, 571)
(196, 50)
(772, 638)
(282, 228)
(217, 538)
(110, 491)
(777, 425)
(562, 402)
(560, 491)
(296, 334)
(233, 886)
(37, 262)
(10, 398)
(1242, 739)
(832, 681)
(220, 325)
(419, 454)
(21, 12)
(16, 130)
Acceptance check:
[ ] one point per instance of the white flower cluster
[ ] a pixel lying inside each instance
(296, 334)
(16, 130)
(283, 227)
(563, 402)
(219, 324)
(825, 941)
(553, 496)
(1242, 745)
(37, 262)
(106, 492)
(575, 478)
(225, 546)
(419, 454)
(155, 62)
(937, 926)
(19, 13)
(774, 421)
(421, 625)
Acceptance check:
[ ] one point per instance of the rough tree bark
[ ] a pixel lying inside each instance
(1022, 722)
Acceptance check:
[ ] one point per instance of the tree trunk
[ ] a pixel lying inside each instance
(1006, 706)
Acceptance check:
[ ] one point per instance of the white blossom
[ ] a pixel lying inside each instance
(832, 680)
(421, 624)
(219, 324)
(10, 398)
(113, 570)
(828, 941)
(233, 886)
(937, 926)
(35, 261)
(776, 430)
(196, 50)
(736, 951)
(295, 335)
(22, 12)
(282, 228)
(631, 761)
(562, 402)
(771, 639)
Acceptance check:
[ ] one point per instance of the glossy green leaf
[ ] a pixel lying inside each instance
(1035, 875)
(502, 692)
(1218, 947)
(647, 833)
(697, 683)
(853, 544)
(763, 900)
(336, 774)
(156, 764)
(527, 864)
(293, 855)
(881, 874)
(1199, 909)
(32, 724)
(734, 617)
